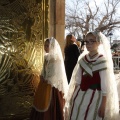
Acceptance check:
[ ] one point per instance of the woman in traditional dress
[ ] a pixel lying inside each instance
(92, 93)
(49, 98)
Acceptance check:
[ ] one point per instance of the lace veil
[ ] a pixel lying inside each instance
(112, 104)
(55, 60)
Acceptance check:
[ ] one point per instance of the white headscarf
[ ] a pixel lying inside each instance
(56, 65)
(112, 103)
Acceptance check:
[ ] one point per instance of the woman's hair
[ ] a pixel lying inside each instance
(68, 40)
(47, 40)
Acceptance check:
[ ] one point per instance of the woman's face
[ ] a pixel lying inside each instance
(73, 38)
(91, 43)
(46, 47)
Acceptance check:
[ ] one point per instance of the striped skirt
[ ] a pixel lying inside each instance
(85, 105)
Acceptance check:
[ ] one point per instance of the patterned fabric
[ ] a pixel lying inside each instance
(85, 105)
(90, 67)
(48, 71)
(108, 83)
(54, 71)
(87, 97)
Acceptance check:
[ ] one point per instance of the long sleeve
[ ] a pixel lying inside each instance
(78, 75)
(103, 76)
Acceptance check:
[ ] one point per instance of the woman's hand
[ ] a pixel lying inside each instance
(101, 111)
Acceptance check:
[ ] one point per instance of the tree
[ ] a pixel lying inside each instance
(85, 15)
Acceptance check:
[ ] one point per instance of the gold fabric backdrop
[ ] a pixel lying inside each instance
(23, 27)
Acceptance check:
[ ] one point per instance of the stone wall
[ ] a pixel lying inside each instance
(57, 21)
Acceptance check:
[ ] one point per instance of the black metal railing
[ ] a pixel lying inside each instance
(116, 62)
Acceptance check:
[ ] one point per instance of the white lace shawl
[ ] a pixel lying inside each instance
(53, 70)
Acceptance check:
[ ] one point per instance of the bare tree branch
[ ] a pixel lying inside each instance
(81, 17)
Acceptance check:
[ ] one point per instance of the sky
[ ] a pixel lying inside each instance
(116, 34)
